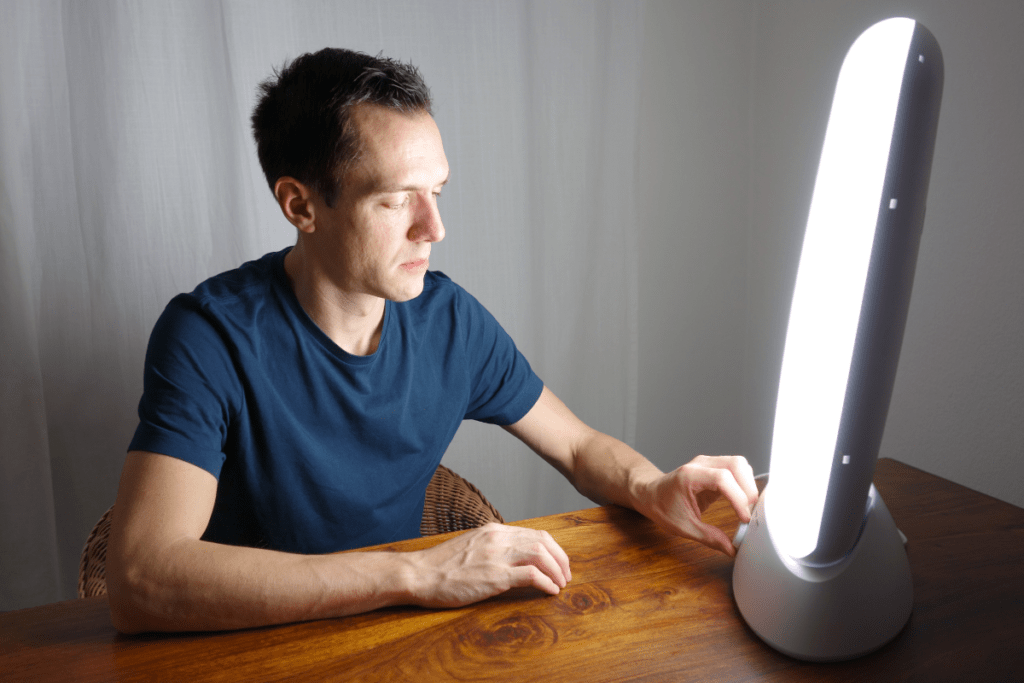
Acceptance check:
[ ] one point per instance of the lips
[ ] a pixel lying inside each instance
(416, 265)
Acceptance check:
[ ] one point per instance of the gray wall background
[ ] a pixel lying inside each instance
(734, 104)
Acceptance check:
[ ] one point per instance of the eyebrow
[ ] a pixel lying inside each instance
(380, 189)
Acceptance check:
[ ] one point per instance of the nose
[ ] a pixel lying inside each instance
(427, 225)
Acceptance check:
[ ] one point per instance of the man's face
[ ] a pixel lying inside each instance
(376, 238)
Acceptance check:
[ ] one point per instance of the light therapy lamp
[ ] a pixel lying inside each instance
(821, 572)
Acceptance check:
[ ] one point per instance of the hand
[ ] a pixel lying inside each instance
(487, 561)
(676, 501)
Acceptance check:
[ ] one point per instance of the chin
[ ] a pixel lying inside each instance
(409, 291)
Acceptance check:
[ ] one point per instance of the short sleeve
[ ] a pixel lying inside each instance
(190, 389)
(503, 385)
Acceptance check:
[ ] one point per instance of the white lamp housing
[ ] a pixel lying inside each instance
(822, 573)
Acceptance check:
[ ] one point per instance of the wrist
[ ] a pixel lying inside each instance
(405, 579)
(641, 487)
(412, 579)
(362, 581)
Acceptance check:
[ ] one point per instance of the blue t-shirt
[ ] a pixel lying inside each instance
(317, 450)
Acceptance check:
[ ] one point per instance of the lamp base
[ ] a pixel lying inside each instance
(831, 613)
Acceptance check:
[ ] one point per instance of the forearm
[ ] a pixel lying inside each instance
(162, 577)
(607, 470)
(601, 467)
(193, 585)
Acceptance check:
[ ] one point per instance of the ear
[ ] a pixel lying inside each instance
(296, 202)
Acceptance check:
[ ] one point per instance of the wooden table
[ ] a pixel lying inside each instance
(642, 607)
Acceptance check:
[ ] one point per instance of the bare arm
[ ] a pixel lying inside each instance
(608, 471)
(162, 577)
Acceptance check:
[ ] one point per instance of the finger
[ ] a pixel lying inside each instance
(713, 537)
(559, 555)
(722, 481)
(741, 470)
(529, 575)
(745, 477)
(542, 554)
(740, 500)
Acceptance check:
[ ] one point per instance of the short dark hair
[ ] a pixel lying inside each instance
(302, 121)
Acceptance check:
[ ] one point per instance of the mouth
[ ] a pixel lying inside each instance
(418, 264)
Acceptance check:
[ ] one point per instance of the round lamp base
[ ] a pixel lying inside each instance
(832, 613)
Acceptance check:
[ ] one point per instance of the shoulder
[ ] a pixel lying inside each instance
(445, 310)
(439, 288)
(442, 297)
(439, 292)
(436, 283)
(252, 280)
(226, 305)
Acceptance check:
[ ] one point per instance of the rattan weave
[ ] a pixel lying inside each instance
(92, 573)
(452, 504)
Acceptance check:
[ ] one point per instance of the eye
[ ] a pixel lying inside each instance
(397, 203)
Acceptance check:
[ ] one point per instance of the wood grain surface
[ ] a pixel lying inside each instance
(642, 606)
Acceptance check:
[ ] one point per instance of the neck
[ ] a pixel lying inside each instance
(352, 321)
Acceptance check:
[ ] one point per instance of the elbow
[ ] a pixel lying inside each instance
(137, 582)
(124, 598)
(143, 594)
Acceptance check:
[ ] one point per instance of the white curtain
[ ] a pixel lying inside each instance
(127, 175)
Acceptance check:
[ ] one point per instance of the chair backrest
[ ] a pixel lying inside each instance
(452, 504)
(92, 568)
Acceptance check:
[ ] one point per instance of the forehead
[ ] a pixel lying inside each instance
(397, 151)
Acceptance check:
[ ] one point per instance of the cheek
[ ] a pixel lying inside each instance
(373, 248)
(376, 235)
(387, 234)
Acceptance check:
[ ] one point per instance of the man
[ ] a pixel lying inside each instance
(299, 404)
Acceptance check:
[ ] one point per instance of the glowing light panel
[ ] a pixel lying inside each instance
(830, 282)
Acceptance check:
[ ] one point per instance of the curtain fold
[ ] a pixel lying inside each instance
(128, 174)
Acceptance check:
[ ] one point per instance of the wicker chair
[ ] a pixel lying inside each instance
(452, 504)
